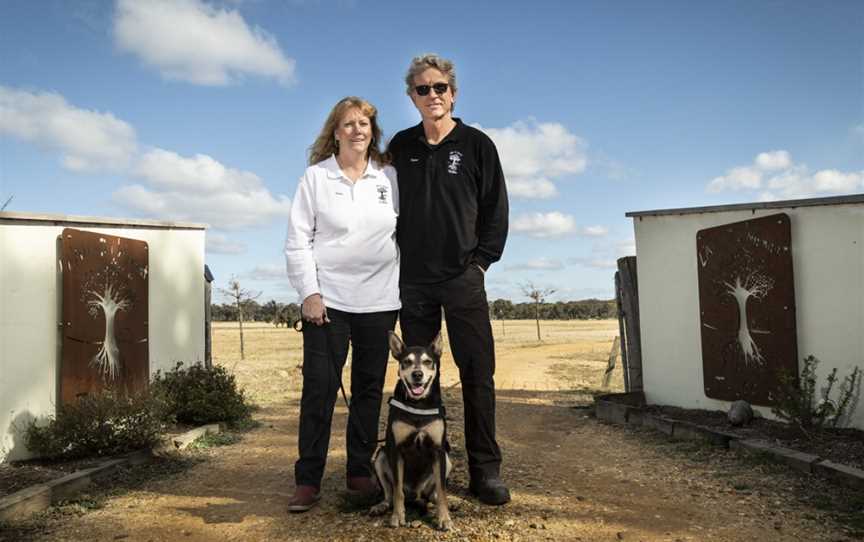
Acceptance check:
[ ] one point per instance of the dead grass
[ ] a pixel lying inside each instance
(572, 355)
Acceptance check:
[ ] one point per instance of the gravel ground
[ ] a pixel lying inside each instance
(572, 478)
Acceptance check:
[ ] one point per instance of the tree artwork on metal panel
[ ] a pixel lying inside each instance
(747, 307)
(105, 313)
(107, 292)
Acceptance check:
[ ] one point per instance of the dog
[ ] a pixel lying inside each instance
(414, 462)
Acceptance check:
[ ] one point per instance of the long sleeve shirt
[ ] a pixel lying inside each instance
(341, 240)
(453, 203)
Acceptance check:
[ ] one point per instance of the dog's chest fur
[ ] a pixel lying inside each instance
(407, 434)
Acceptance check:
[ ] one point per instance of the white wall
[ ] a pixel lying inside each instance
(829, 294)
(30, 300)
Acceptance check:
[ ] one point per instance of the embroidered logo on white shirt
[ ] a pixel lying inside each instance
(382, 193)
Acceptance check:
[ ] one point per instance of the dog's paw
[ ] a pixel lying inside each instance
(379, 509)
(444, 524)
(397, 520)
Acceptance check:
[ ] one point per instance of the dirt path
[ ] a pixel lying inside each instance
(571, 478)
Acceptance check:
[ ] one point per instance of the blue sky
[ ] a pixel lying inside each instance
(203, 111)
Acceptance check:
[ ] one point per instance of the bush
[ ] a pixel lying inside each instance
(196, 395)
(98, 425)
(797, 402)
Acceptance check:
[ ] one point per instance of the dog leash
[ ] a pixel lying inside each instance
(298, 327)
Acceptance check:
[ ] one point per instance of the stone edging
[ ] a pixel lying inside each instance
(620, 409)
(30, 500)
(181, 442)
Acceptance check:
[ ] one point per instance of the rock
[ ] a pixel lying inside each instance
(740, 413)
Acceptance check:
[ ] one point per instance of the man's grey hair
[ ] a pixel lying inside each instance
(421, 63)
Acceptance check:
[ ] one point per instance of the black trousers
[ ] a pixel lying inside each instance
(466, 311)
(367, 333)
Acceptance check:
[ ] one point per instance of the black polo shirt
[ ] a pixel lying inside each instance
(452, 203)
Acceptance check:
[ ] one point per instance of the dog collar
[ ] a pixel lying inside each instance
(412, 410)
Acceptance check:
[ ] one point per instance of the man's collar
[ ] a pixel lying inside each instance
(454, 134)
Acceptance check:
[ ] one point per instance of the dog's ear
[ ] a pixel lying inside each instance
(436, 346)
(397, 347)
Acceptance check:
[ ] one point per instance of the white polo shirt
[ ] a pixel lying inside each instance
(341, 238)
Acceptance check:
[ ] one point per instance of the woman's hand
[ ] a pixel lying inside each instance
(313, 310)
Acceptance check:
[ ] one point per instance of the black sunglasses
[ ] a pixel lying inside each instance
(439, 88)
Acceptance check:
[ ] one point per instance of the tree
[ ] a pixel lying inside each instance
(241, 298)
(538, 296)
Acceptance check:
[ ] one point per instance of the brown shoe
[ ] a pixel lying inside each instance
(362, 486)
(305, 497)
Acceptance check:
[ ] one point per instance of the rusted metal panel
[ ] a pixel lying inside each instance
(105, 308)
(747, 308)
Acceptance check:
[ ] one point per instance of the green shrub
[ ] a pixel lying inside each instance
(196, 395)
(798, 404)
(99, 424)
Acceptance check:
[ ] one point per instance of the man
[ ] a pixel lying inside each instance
(452, 227)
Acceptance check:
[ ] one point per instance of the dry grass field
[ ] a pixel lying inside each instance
(573, 355)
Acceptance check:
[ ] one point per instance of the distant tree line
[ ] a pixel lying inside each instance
(500, 309)
(271, 311)
(586, 309)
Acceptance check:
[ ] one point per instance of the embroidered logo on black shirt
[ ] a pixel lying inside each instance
(455, 161)
(382, 193)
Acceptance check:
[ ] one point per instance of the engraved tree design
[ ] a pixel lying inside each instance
(107, 360)
(755, 285)
(107, 291)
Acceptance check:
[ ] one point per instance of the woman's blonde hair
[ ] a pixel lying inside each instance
(326, 145)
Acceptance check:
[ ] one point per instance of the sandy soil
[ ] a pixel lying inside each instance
(571, 477)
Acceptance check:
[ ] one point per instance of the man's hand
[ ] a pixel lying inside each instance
(313, 310)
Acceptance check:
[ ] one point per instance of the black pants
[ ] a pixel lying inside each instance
(367, 333)
(467, 314)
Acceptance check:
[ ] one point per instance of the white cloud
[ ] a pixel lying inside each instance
(626, 247)
(798, 182)
(594, 231)
(539, 264)
(532, 153)
(776, 176)
(201, 189)
(218, 243)
(192, 41)
(595, 263)
(86, 140)
(197, 189)
(543, 225)
(169, 170)
(773, 160)
(531, 188)
(268, 272)
(552, 224)
(739, 178)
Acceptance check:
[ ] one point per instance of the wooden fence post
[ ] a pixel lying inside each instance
(622, 330)
(613, 355)
(627, 294)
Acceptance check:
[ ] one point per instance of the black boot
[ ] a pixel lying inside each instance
(490, 490)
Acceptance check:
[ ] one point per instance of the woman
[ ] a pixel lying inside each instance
(342, 259)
